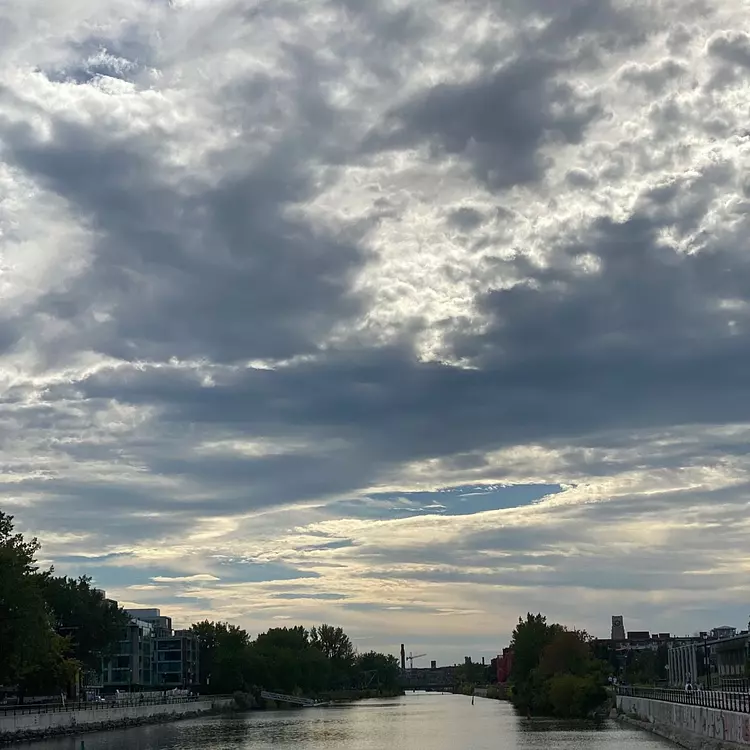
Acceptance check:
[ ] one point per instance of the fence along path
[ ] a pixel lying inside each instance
(739, 702)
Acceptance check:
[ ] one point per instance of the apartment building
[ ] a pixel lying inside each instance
(152, 656)
(131, 666)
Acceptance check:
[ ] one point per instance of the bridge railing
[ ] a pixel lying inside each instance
(724, 701)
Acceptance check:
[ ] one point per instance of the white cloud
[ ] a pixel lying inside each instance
(261, 262)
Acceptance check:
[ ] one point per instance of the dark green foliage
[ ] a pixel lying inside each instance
(222, 656)
(26, 632)
(647, 667)
(468, 676)
(377, 671)
(554, 671)
(289, 660)
(81, 613)
(333, 642)
(572, 696)
(50, 627)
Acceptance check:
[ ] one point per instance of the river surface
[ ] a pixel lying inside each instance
(420, 721)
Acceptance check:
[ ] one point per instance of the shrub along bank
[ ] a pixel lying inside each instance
(555, 672)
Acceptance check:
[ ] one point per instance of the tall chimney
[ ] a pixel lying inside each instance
(403, 658)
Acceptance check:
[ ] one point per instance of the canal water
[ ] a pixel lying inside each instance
(420, 721)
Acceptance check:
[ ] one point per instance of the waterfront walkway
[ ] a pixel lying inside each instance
(723, 701)
(111, 702)
(31, 722)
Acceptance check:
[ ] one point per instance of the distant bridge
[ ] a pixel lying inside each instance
(441, 678)
(281, 698)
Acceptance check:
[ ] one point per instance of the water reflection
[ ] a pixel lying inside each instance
(413, 722)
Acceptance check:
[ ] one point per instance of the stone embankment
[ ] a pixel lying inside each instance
(691, 727)
(22, 725)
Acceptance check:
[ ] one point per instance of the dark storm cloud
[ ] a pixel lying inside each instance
(580, 178)
(654, 78)
(115, 511)
(645, 341)
(498, 122)
(189, 269)
(386, 40)
(724, 507)
(10, 333)
(466, 218)
(731, 47)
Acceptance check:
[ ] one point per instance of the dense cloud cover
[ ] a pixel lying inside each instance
(410, 316)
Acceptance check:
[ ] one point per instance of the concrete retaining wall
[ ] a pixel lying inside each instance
(693, 727)
(24, 726)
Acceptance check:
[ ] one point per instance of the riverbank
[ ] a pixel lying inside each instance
(680, 738)
(332, 696)
(24, 726)
(493, 692)
(690, 727)
(347, 696)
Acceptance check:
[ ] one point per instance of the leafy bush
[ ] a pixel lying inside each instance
(572, 696)
(554, 671)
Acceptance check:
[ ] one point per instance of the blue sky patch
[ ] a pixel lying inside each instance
(452, 501)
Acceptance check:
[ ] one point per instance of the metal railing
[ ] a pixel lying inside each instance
(108, 703)
(724, 701)
(733, 684)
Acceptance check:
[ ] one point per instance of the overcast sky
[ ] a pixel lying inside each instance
(405, 316)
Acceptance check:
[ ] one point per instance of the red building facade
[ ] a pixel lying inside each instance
(504, 664)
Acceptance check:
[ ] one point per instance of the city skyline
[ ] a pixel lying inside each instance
(406, 316)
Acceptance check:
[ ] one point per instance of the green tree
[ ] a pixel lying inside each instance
(53, 672)
(568, 652)
(468, 676)
(333, 642)
(223, 656)
(572, 696)
(375, 670)
(646, 667)
(288, 660)
(92, 624)
(554, 669)
(294, 639)
(530, 638)
(337, 647)
(26, 633)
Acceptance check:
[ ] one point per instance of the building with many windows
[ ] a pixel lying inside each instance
(131, 666)
(177, 659)
(731, 659)
(152, 656)
(718, 660)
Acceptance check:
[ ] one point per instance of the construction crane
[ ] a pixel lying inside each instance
(412, 657)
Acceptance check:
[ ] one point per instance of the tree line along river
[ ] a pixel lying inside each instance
(419, 721)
